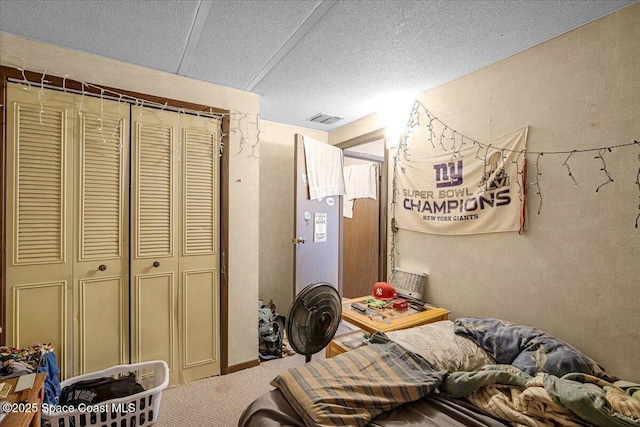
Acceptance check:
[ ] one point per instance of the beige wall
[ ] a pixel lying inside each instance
(360, 127)
(574, 272)
(277, 211)
(243, 169)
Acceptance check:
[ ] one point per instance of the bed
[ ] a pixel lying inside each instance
(471, 372)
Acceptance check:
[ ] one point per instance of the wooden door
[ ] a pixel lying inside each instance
(315, 259)
(39, 219)
(360, 239)
(101, 250)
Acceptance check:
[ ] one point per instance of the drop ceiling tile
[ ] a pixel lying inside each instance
(240, 37)
(149, 33)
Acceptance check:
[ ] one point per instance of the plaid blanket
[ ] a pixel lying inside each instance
(354, 387)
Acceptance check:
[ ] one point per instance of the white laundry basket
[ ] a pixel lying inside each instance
(138, 410)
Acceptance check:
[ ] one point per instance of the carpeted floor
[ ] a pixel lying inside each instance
(219, 401)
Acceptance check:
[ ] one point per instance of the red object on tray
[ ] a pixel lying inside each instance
(400, 304)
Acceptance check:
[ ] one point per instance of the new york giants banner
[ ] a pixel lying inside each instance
(471, 190)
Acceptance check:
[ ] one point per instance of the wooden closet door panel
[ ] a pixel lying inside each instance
(199, 242)
(153, 315)
(103, 337)
(39, 215)
(154, 256)
(101, 249)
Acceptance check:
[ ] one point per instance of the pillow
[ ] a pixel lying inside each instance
(354, 387)
(441, 347)
(529, 349)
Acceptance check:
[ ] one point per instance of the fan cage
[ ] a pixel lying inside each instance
(314, 318)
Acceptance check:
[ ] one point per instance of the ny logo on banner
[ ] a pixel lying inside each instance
(447, 175)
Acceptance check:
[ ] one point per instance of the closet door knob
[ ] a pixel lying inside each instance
(156, 263)
(102, 267)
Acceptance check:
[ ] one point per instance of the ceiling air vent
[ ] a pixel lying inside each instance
(325, 119)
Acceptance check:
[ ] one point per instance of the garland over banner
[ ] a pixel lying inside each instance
(470, 191)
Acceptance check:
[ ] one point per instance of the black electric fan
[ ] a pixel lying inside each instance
(313, 319)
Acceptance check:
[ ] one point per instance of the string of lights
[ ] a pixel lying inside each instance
(101, 128)
(243, 132)
(604, 168)
(245, 126)
(520, 175)
(40, 93)
(638, 184)
(394, 252)
(536, 183)
(414, 120)
(566, 164)
(24, 77)
(451, 141)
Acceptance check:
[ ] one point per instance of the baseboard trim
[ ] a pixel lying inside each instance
(242, 366)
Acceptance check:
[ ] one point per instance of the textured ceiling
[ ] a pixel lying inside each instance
(343, 58)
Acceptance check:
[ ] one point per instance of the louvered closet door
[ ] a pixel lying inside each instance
(39, 219)
(198, 263)
(154, 251)
(174, 255)
(101, 251)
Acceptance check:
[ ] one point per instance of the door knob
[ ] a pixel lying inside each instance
(102, 267)
(298, 241)
(156, 263)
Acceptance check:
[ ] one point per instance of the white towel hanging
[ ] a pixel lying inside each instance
(324, 169)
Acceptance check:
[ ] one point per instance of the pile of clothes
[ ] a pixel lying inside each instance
(270, 332)
(272, 340)
(15, 362)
